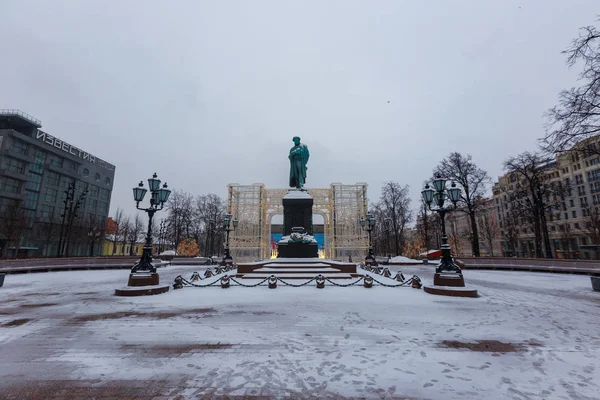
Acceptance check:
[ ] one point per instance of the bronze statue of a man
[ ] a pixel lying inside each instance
(298, 159)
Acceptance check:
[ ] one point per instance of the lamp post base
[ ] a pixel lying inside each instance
(454, 280)
(141, 279)
(142, 284)
(450, 284)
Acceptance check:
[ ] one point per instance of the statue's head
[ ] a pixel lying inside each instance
(296, 140)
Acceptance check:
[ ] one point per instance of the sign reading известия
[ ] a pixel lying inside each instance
(68, 148)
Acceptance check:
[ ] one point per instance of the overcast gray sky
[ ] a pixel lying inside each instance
(208, 93)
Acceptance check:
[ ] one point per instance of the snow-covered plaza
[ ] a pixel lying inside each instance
(528, 336)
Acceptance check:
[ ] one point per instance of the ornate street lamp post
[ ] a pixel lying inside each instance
(227, 222)
(368, 224)
(158, 197)
(438, 197)
(388, 227)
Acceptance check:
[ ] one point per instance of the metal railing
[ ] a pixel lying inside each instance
(19, 113)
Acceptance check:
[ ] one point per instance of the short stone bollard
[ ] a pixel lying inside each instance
(195, 276)
(178, 284)
(595, 283)
(272, 282)
(416, 282)
(225, 282)
(386, 273)
(368, 282)
(320, 282)
(208, 273)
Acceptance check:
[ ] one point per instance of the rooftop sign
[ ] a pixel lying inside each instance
(72, 150)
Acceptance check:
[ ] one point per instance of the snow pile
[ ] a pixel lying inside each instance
(168, 253)
(402, 259)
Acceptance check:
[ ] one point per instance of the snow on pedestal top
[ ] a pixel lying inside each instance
(297, 194)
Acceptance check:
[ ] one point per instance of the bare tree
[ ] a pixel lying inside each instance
(530, 194)
(510, 232)
(95, 227)
(180, 215)
(136, 228)
(12, 225)
(211, 211)
(125, 228)
(394, 204)
(47, 229)
(566, 235)
(592, 227)
(473, 181)
(118, 226)
(489, 229)
(577, 115)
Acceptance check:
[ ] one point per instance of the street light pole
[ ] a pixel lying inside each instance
(368, 224)
(158, 198)
(438, 197)
(227, 222)
(388, 226)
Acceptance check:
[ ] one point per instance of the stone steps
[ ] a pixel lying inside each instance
(297, 268)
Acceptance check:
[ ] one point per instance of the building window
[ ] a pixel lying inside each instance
(65, 181)
(576, 225)
(52, 178)
(11, 186)
(107, 181)
(102, 207)
(55, 161)
(97, 176)
(93, 191)
(86, 172)
(15, 165)
(566, 215)
(594, 175)
(574, 213)
(34, 181)
(104, 194)
(92, 204)
(31, 199)
(19, 147)
(46, 212)
(572, 203)
(50, 195)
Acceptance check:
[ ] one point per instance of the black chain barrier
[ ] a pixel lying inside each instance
(272, 280)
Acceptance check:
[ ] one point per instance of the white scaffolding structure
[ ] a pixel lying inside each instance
(341, 207)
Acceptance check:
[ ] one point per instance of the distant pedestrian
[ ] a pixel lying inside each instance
(350, 258)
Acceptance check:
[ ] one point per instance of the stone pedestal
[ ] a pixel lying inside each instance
(142, 284)
(297, 219)
(297, 211)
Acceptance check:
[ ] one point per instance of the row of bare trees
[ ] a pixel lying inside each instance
(393, 215)
(82, 235)
(126, 231)
(186, 217)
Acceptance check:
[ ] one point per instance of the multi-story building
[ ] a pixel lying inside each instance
(54, 196)
(570, 212)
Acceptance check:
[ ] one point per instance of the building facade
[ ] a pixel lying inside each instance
(54, 196)
(459, 232)
(572, 213)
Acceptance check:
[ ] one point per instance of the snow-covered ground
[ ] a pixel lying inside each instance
(297, 342)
